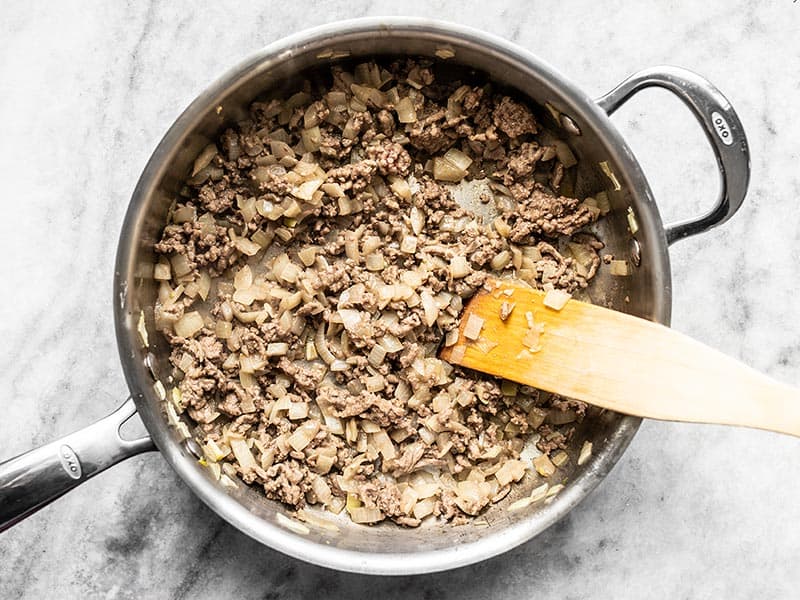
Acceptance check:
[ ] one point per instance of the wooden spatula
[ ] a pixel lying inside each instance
(615, 361)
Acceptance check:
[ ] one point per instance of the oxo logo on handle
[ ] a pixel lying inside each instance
(722, 128)
(70, 462)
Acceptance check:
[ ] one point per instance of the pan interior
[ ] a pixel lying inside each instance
(278, 73)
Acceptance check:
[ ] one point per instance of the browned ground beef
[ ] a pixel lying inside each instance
(312, 267)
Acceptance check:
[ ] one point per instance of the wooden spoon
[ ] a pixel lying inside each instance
(615, 361)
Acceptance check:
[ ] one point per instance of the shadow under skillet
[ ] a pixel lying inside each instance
(226, 563)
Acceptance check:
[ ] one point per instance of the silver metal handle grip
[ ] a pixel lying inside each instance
(32, 480)
(722, 127)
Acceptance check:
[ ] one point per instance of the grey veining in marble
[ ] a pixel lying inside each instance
(86, 91)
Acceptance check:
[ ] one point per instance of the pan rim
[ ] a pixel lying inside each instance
(272, 534)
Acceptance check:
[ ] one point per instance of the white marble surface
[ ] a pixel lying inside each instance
(86, 91)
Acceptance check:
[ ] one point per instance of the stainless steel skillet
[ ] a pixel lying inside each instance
(32, 480)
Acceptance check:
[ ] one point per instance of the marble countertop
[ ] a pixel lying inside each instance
(690, 511)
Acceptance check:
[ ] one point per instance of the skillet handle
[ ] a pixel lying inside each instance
(722, 127)
(34, 479)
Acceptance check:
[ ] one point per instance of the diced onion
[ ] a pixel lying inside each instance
(565, 154)
(142, 329)
(189, 324)
(246, 247)
(321, 344)
(277, 349)
(512, 470)
(501, 260)
(451, 337)
(375, 262)
(506, 308)
(374, 383)
(303, 435)
(376, 355)
(243, 278)
(536, 417)
(444, 170)
(290, 273)
(307, 255)
(390, 343)
(251, 364)
(213, 452)
(180, 265)
(280, 149)
(401, 188)
(409, 244)
(305, 191)
(619, 268)
(459, 267)
(162, 272)
(509, 388)
(539, 492)
(368, 95)
(312, 137)
(429, 307)
(412, 279)
(485, 345)
(604, 166)
(556, 299)
(184, 214)
(223, 330)
(560, 417)
(371, 243)
(383, 444)
(445, 52)
(531, 339)
(242, 453)
(160, 390)
(417, 218)
(351, 318)
(334, 190)
(544, 465)
(204, 159)
(458, 159)
(291, 524)
(424, 508)
(472, 329)
(586, 452)
(248, 207)
(204, 285)
(633, 224)
(298, 410)
(520, 504)
(406, 113)
(457, 354)
(364, 515)
(602, 202)
(559, 458)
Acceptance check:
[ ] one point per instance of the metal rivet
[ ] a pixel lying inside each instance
(570, 125)
(636, 252)
(193, 448)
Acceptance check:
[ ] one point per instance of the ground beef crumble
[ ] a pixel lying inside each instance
(308, 274)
